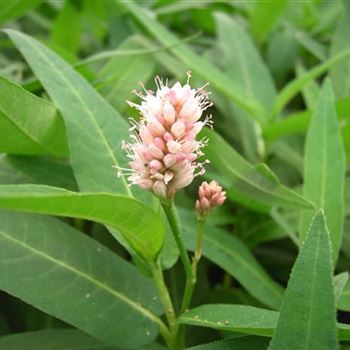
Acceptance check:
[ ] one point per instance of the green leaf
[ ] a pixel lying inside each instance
(307, 316)
(57, 339)
(94, 128)
(340, 282)
(241, 343)
(233, 256)
(344, 300)
(10, 10)
(66, 30)
(122, 74)
(66, 274)
(300, 121)
(248, 179)
(139, 225)
(264, 17)
(340, 73)
(324, 169)
(293, 87)
(233, 318)
(244, 65)
(199, 65)
(32, 126)
(40, 170)
(243, 319)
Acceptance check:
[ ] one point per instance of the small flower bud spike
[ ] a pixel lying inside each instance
(210, 196)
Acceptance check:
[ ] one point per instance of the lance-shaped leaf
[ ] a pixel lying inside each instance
(257, 182)
(94, 128)
(199, 65)
(324, 169)
(140, 225)
(64, 273)
(29, 124)
(233, 256)
(308, 316)
(60, 339)
(243, 319)
(344, 300)
(239, 343)
(243, 64)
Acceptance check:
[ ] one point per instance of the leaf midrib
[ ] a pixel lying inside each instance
(85, 107)
(85, 276)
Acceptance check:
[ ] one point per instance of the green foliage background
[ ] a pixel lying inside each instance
(279, 74)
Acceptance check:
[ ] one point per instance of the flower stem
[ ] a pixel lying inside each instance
(158, 278)
(175, 228)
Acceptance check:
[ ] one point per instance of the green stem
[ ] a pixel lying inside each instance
(175, 228)
(158, 278)
(190, 284)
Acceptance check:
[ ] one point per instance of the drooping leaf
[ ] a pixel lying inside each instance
(139, 225)
(199, 65)
(307, 317)
(233, 256)
(29, 124)
(66, 274)
(324, 169)
(255, 182)
(240, 343)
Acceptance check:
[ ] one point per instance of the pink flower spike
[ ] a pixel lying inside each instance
(210, 196)
(163, 150)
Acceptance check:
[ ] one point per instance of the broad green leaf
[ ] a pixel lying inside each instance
(64, 273)
(233, 256)
(120, 75)
(60, 339)
(242, 319)
(32, 126)
(307, 316)
(340, 73)
(240, 343)
(258, 183)
(57, 339)
(293, 87)
(139, 225)
(245, 67)
(300, 121)
(199, 65)
(264, 17)
(66, 30)
(94, 128)
(10, 10)
(324, 169)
